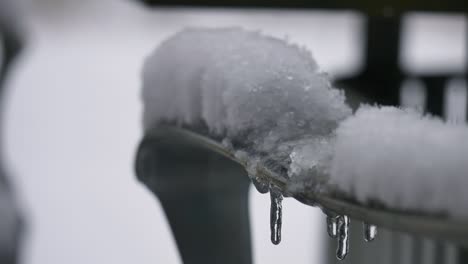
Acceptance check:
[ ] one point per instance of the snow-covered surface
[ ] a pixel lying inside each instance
(240, 84)
(403, 159)
(271, 96)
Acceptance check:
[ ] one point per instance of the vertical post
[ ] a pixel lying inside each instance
(381, 77)
(10, 218)
(204, 196)
(435, 86)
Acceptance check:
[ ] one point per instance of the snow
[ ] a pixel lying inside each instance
(310, 162)
(241, 84)
(402, 159)
(271, 96)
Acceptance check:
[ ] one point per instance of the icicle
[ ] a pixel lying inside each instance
(343, 237)
(370, 231)
(275, 215)
(332, 226)
(261, 187)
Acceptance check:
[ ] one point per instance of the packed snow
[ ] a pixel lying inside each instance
(403, 159)
(271, 96)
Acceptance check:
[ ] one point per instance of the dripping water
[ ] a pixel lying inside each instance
(332, 226)
(343, 237)
(261, 186)
(370, 231)
(276, 215)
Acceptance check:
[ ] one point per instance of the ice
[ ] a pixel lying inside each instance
(343, 237)
(276, 215)
(402, 159)
(261, 186)
(370, 231)
(332, 226)
(240, 84)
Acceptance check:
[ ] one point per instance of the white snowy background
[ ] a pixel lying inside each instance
(73, 122)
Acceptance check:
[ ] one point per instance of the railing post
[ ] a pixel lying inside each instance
(204, 196)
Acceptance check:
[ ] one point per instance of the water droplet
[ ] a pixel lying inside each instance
(262, 187)
(343, 237)
(276, 215)
(370, 231)
(332, 226)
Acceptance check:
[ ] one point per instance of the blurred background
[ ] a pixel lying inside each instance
(72, 120)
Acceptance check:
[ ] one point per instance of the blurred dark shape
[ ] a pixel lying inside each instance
(12, 44)
(11, 224)
(204, 196)
(10, 219)
(366, 6)
(381, 75)
(381, 78)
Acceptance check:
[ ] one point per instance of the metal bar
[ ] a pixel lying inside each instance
(435, 226)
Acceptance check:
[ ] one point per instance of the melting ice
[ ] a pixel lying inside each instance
(332, 226)
(262, 187)
(370, 231)
(343, 237)
(276, 215)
